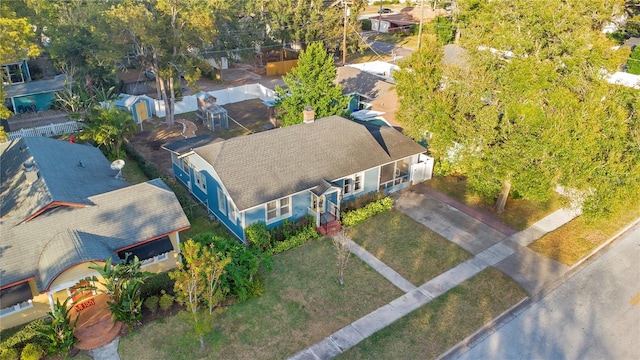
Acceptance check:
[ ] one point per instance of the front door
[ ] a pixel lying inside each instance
(317, 203)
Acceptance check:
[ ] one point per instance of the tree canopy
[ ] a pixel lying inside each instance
(530, 108)
(310, 83)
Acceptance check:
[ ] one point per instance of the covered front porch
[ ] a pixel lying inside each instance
(325, 207)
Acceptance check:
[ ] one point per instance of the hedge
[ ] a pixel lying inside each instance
(296, 240)
(356, 216)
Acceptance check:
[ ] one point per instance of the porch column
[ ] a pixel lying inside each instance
(51, 302)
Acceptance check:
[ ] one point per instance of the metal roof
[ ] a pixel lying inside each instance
(36, 87)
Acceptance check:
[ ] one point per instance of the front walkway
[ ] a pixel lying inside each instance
(490, 247)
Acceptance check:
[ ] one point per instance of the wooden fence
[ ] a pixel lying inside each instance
(48, 130)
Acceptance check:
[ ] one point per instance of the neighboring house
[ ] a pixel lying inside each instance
(24, 95)
(62, 207)
(290, 172)
(372, 97)
(361, 87)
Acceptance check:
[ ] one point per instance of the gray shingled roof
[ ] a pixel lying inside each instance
(116, 215)
(269, 165)
(356, 81)
(60, 176)
(36, 87)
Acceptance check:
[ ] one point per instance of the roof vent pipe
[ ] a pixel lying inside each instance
(308, 115)
(30, 170)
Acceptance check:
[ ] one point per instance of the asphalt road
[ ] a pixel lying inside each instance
(386, 48)
(595, 314)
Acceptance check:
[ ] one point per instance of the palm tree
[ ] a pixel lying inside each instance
(109, 128)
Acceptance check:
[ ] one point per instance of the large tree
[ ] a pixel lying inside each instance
(17, 43)
(531, 108)
(310, 83)
(167, 36)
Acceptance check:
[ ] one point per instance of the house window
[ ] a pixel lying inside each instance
(233, 213)
(278, 209)
(201, 181)
(395, 173)
(154, 260)
(317, 203)
(16, 308)
(222, 202)
(353, 184)
(184, 164)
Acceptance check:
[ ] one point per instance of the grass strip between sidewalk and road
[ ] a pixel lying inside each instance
(579, 237)
(408, 247)
(443, 322)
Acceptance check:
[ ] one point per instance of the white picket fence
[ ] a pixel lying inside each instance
(47, 130)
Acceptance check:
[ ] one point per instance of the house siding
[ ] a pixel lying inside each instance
(370, 183)
(210, 198)
(178, 172)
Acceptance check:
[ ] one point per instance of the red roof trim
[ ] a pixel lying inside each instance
(52, 204)
(17, 282)
(150, 240)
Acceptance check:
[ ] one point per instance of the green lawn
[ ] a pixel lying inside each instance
(519, 213)
(132, 172)
(408, 247)
(301, 305)
(579, 237)
(442, 323)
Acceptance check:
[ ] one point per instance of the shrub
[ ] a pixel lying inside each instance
(633, 65)
(59, 329)
(244, 266)
(166, 301)
(151, 303)
(17, 337)
(444, 29)
(9, 354)
(356, 216)
(361, 201)
(258, 235)
(365, 24)
(618, 36)
(32, 352)
(308, 233)
(147, 168)
(155, 284)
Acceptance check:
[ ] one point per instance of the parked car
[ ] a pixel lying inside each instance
(385, 11)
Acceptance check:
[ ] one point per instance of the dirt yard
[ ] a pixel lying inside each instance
(244, 117)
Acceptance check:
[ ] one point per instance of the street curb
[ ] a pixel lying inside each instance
(496, 323)
(606, 243)
(487, 329)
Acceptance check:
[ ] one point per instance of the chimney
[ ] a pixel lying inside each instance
(308, 115)
(30, 170)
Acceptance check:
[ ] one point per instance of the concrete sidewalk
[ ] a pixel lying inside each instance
(507, 253)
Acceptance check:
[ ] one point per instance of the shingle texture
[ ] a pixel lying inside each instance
(269, 165)
(357, 81)
(115, 214)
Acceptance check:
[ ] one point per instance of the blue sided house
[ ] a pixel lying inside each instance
(290, 172)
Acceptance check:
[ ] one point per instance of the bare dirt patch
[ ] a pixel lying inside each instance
(149, 141)
(248, 116)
